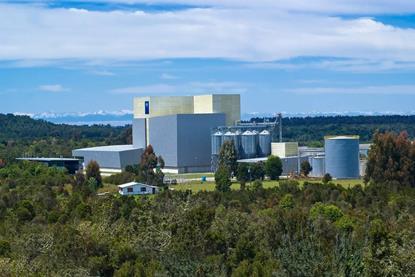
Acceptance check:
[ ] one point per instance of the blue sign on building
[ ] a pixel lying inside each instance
(146, 107)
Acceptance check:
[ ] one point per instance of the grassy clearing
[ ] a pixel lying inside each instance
(197, 186)
(189, 175)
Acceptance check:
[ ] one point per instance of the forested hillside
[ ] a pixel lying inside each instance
(22, 135)
(25, 128)
(311, 130)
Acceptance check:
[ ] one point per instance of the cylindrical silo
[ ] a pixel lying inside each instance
(317, 164)
(249, 144)
(342, 156)
(235, 137)
(216, 142)
(264, 143)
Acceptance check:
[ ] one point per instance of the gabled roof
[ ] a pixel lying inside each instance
(130, 184)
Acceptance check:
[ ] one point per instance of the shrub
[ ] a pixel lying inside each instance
(327, 211)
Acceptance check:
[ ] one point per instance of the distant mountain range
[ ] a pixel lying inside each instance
(124, 117)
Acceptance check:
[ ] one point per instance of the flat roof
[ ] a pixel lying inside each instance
(110, 148)
(44, 159)
(342, 137)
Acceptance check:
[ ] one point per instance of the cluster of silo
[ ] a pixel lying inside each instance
(342, 156)
(248, 143)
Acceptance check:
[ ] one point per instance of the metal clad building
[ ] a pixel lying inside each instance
(184, 140)
(342, 156)
(110, 158)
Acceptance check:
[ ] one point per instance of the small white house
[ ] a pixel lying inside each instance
(134, 188)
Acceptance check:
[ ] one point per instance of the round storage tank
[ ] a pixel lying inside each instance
(216, 142)
(342, 156)
(249, 144)
(317, 164)
(264, 143)
(235, 137)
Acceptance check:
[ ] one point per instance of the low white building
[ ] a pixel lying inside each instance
(135, 188)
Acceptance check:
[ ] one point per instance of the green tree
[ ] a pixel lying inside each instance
(257, 171)
(305, 168)
(222, 179)
(150, 167)
(273, 167)
(93, 171)
(391, 159)
(243, 174)
(326, 178)
(228, 157)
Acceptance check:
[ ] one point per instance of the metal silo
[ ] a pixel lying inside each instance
(216, 142)
(317, 164)
(342, 156)
(264, 143)
(249, 144)
(233, 136)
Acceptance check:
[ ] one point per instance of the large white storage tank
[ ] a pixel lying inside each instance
(342, 156)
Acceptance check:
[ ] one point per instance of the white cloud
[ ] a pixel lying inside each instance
(254, 35)
(184, 88)
(166, 76)
(148, 89)
(102, 73)
(316, 6)
(52, 88)
(372, 90)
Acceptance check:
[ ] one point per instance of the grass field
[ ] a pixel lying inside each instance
(196, 186)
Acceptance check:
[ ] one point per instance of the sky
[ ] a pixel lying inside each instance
(290, 56)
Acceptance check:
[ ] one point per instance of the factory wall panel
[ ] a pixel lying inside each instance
(130, 157)
(162, 105)
(139, 133)
(284, 149)
(163, 138)
(229, 104)
(184, 140)
(105, 159)
(110, 159)
(194, 138)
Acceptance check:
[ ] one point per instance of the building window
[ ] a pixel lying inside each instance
(143, 189)
(129, 189)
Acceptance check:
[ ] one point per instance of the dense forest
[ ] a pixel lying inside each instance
(24, 136)
(55, 224)
(311, 130)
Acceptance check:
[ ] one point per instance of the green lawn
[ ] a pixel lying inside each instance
(196, 186)
(189, 175)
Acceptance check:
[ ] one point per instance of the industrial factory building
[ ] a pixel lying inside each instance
(189, 131)
(112, 159)
(178, 127)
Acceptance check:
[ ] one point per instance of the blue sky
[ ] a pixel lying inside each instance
(290, 56)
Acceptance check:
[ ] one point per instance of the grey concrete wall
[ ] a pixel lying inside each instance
(184, 140)
(110, 159)
(139, 134)
(163, 138)
(194, 138)
(130, 157)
